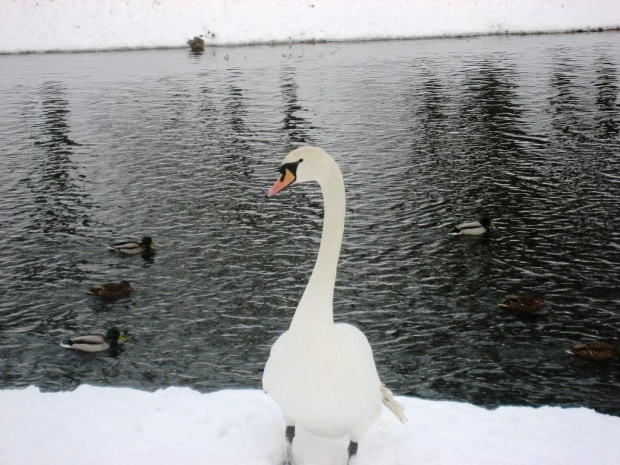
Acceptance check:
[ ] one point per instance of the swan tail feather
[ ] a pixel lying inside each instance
(393, 405)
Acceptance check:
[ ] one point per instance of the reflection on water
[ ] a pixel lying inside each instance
(295, 127)
(58, 198)
(104, 147)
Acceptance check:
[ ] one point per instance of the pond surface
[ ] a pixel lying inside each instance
(100, 147)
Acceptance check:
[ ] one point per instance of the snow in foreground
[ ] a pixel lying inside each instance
(182, 426)
(46, 25)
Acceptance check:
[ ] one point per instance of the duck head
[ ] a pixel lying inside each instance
(487, 223)
(113, 334)
(146, 240)
(126, 285)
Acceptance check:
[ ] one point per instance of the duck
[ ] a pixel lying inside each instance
(112, 291)
(321, 374)
(95, 342)
(146, 245)
(522, 302)
(597, 350)
(474, 228)
(197, 44)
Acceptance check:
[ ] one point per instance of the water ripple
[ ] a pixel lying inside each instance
(428, 134)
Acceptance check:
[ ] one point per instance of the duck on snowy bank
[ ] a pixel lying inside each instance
(197, 44)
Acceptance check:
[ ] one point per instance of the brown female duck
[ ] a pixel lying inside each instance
(522, 303)
(112, 290)
(597, 350)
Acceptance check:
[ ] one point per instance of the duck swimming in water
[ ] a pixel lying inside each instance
(475, 228)
(146, 245)
(95, 342)
(112, 291)
(597, 350)
(522, 303)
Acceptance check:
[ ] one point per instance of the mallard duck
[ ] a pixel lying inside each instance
(522, 302)
(112, 290)
(597, 350)
(133, 248)
(197, 44)
(475, 228)
(95, 342)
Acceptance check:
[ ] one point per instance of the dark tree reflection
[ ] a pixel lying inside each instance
(236, 116)
(61, 203)
(491, 108)
(606, 85)
(491, 129)
(294, 126)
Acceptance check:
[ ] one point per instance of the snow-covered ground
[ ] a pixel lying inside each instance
(53, 25)
(244, 427)
(181, 426)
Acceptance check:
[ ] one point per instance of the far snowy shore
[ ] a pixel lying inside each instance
(79, 25)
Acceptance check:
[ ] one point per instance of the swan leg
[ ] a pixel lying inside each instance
(290, 435)
(352, 451)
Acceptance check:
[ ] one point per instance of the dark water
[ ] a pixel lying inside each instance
(98, 147)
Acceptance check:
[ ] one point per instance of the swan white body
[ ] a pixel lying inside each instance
(321, 374)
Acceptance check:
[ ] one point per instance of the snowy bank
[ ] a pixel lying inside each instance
(55, 25)
(179, 425)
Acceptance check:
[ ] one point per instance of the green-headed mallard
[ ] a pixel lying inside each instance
(475, 228)
(197, 44)
(112, 290)
(132, 247)
(522, 303)
(597, 350)
(95, 342)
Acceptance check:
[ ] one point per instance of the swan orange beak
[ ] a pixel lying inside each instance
(284, 181)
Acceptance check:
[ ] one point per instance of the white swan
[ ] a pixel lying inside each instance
(321, 374)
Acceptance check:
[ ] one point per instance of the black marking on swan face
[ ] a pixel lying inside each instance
(292, 167)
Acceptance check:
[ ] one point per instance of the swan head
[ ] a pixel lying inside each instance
(302, 165)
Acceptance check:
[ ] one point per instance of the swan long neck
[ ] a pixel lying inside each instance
(315, 309)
